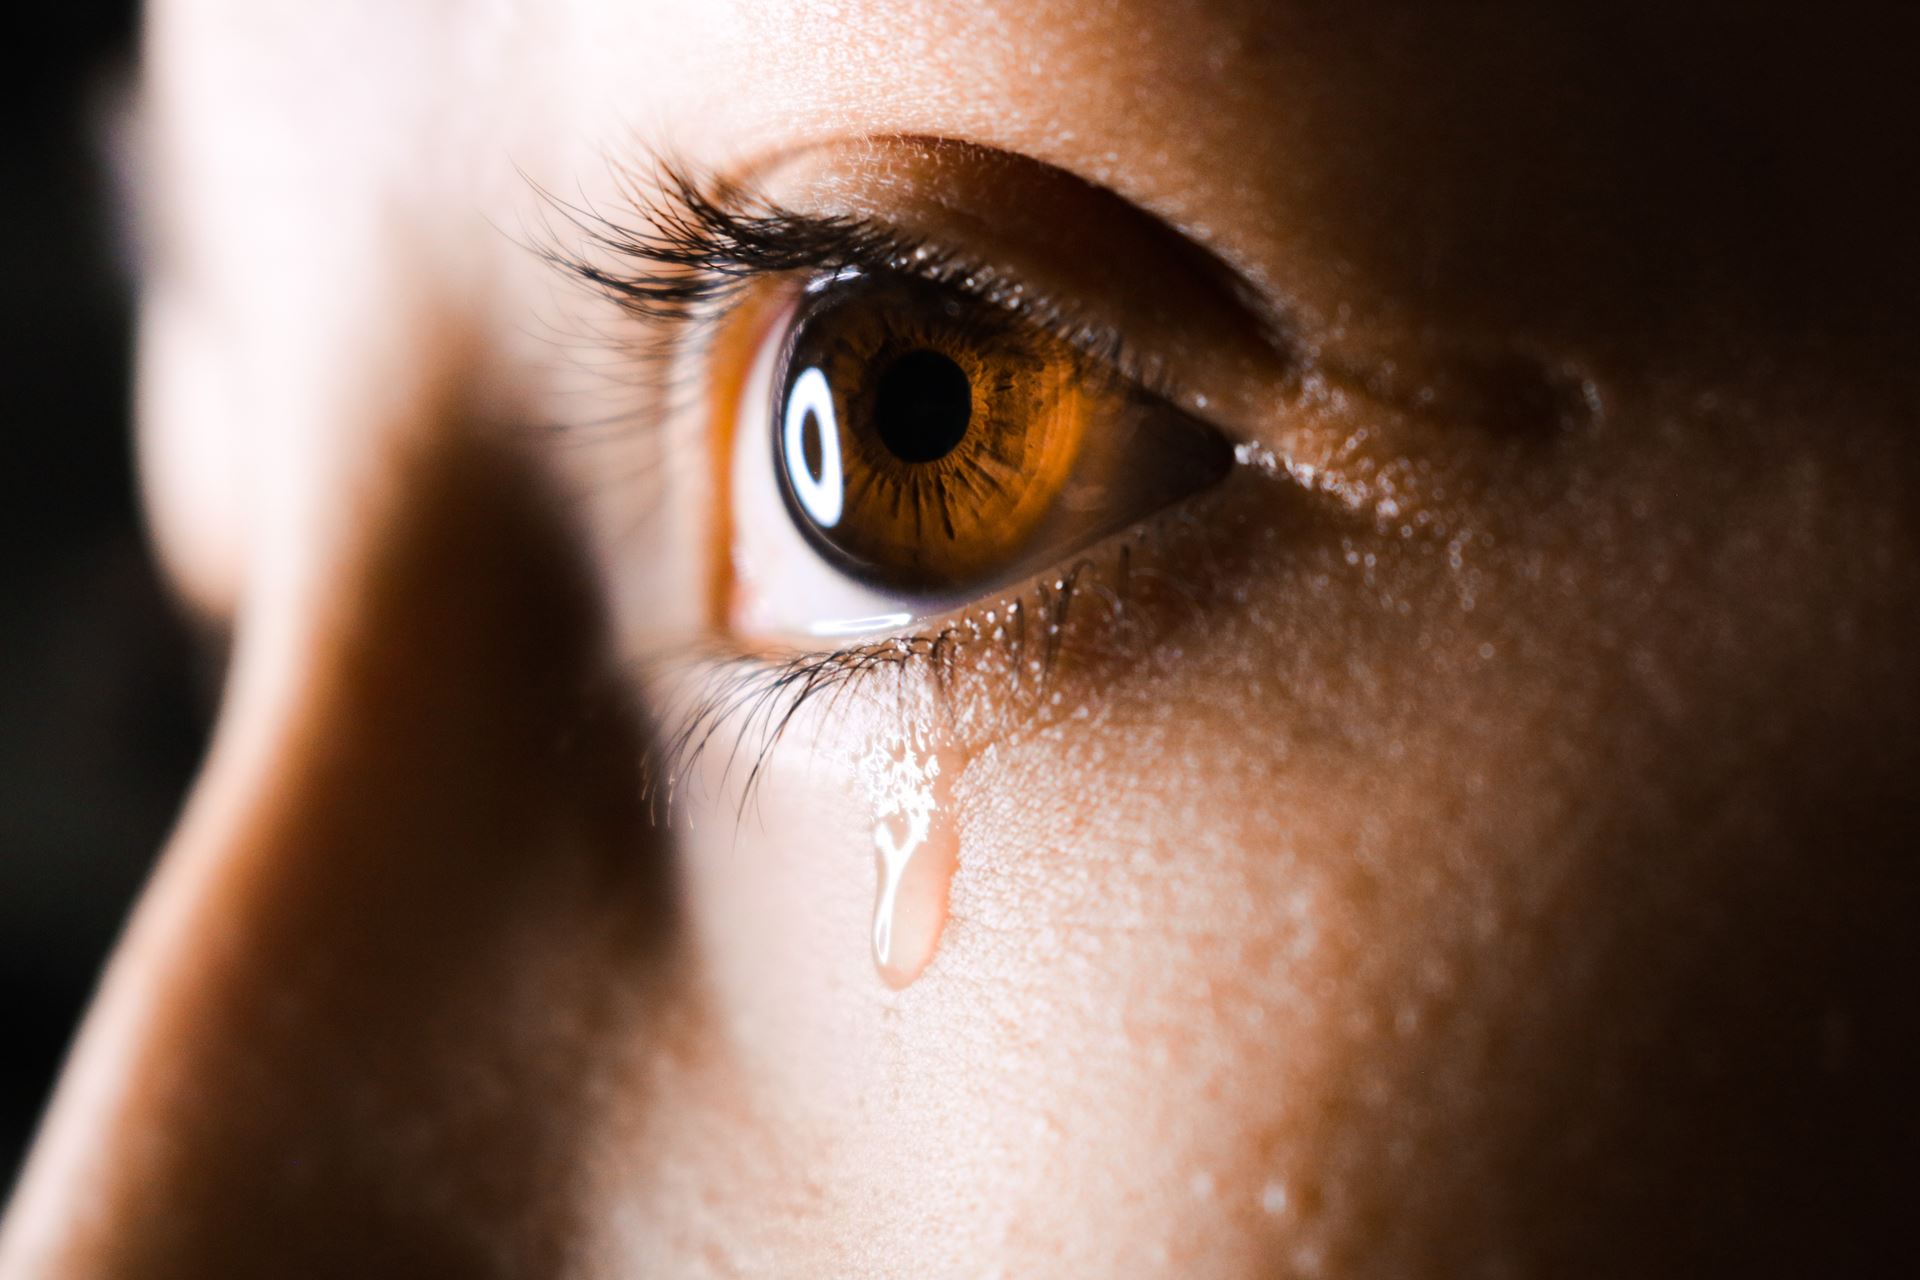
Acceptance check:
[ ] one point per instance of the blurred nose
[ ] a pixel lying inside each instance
(353, 1027)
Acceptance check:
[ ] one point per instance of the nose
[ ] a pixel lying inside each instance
(355, 1024)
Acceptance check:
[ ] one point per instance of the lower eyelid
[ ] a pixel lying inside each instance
(1042, 653)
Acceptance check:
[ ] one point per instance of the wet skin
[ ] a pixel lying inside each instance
(1492, 857)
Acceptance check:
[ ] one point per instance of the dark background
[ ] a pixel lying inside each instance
(101, 713)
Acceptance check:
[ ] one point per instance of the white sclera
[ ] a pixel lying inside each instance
(783, 589)
(821, 496)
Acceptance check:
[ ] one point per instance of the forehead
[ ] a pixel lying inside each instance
(1045, 73)
(1527, 148)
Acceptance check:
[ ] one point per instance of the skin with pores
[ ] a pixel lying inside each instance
(1497, 864)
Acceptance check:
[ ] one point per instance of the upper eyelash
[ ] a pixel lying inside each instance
(697, 243)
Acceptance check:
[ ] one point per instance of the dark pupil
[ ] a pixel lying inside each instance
(922, 406)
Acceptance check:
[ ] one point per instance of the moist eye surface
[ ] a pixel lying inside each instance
(927, 444)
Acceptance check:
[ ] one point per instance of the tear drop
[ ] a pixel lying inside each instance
(916, 844)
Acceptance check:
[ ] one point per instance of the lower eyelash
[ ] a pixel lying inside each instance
(1006, 658)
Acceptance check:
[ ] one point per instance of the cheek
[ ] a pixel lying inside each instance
(1454, 933)
(1103, 1059)
(1117, 1051)
(1360, 927)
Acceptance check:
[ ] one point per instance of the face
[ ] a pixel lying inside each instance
(1056, 639)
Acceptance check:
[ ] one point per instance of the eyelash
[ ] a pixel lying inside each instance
(696, 246)
(758, 698)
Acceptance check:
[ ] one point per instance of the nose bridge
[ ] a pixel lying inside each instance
(352, 1027)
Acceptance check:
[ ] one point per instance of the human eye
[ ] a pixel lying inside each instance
(903, 449)
(945, 465)
(910, 411)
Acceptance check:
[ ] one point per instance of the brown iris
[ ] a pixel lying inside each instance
(922, 438)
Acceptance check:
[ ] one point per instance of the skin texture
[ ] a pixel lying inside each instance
(1525, 893)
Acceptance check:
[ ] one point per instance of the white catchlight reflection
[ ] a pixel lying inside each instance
(781, 586)
(861, 626)
(820, 495)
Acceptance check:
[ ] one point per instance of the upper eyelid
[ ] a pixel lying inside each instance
(1241, 361)
(696, 245)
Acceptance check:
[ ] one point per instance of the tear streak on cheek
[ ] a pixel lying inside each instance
(909, 781)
